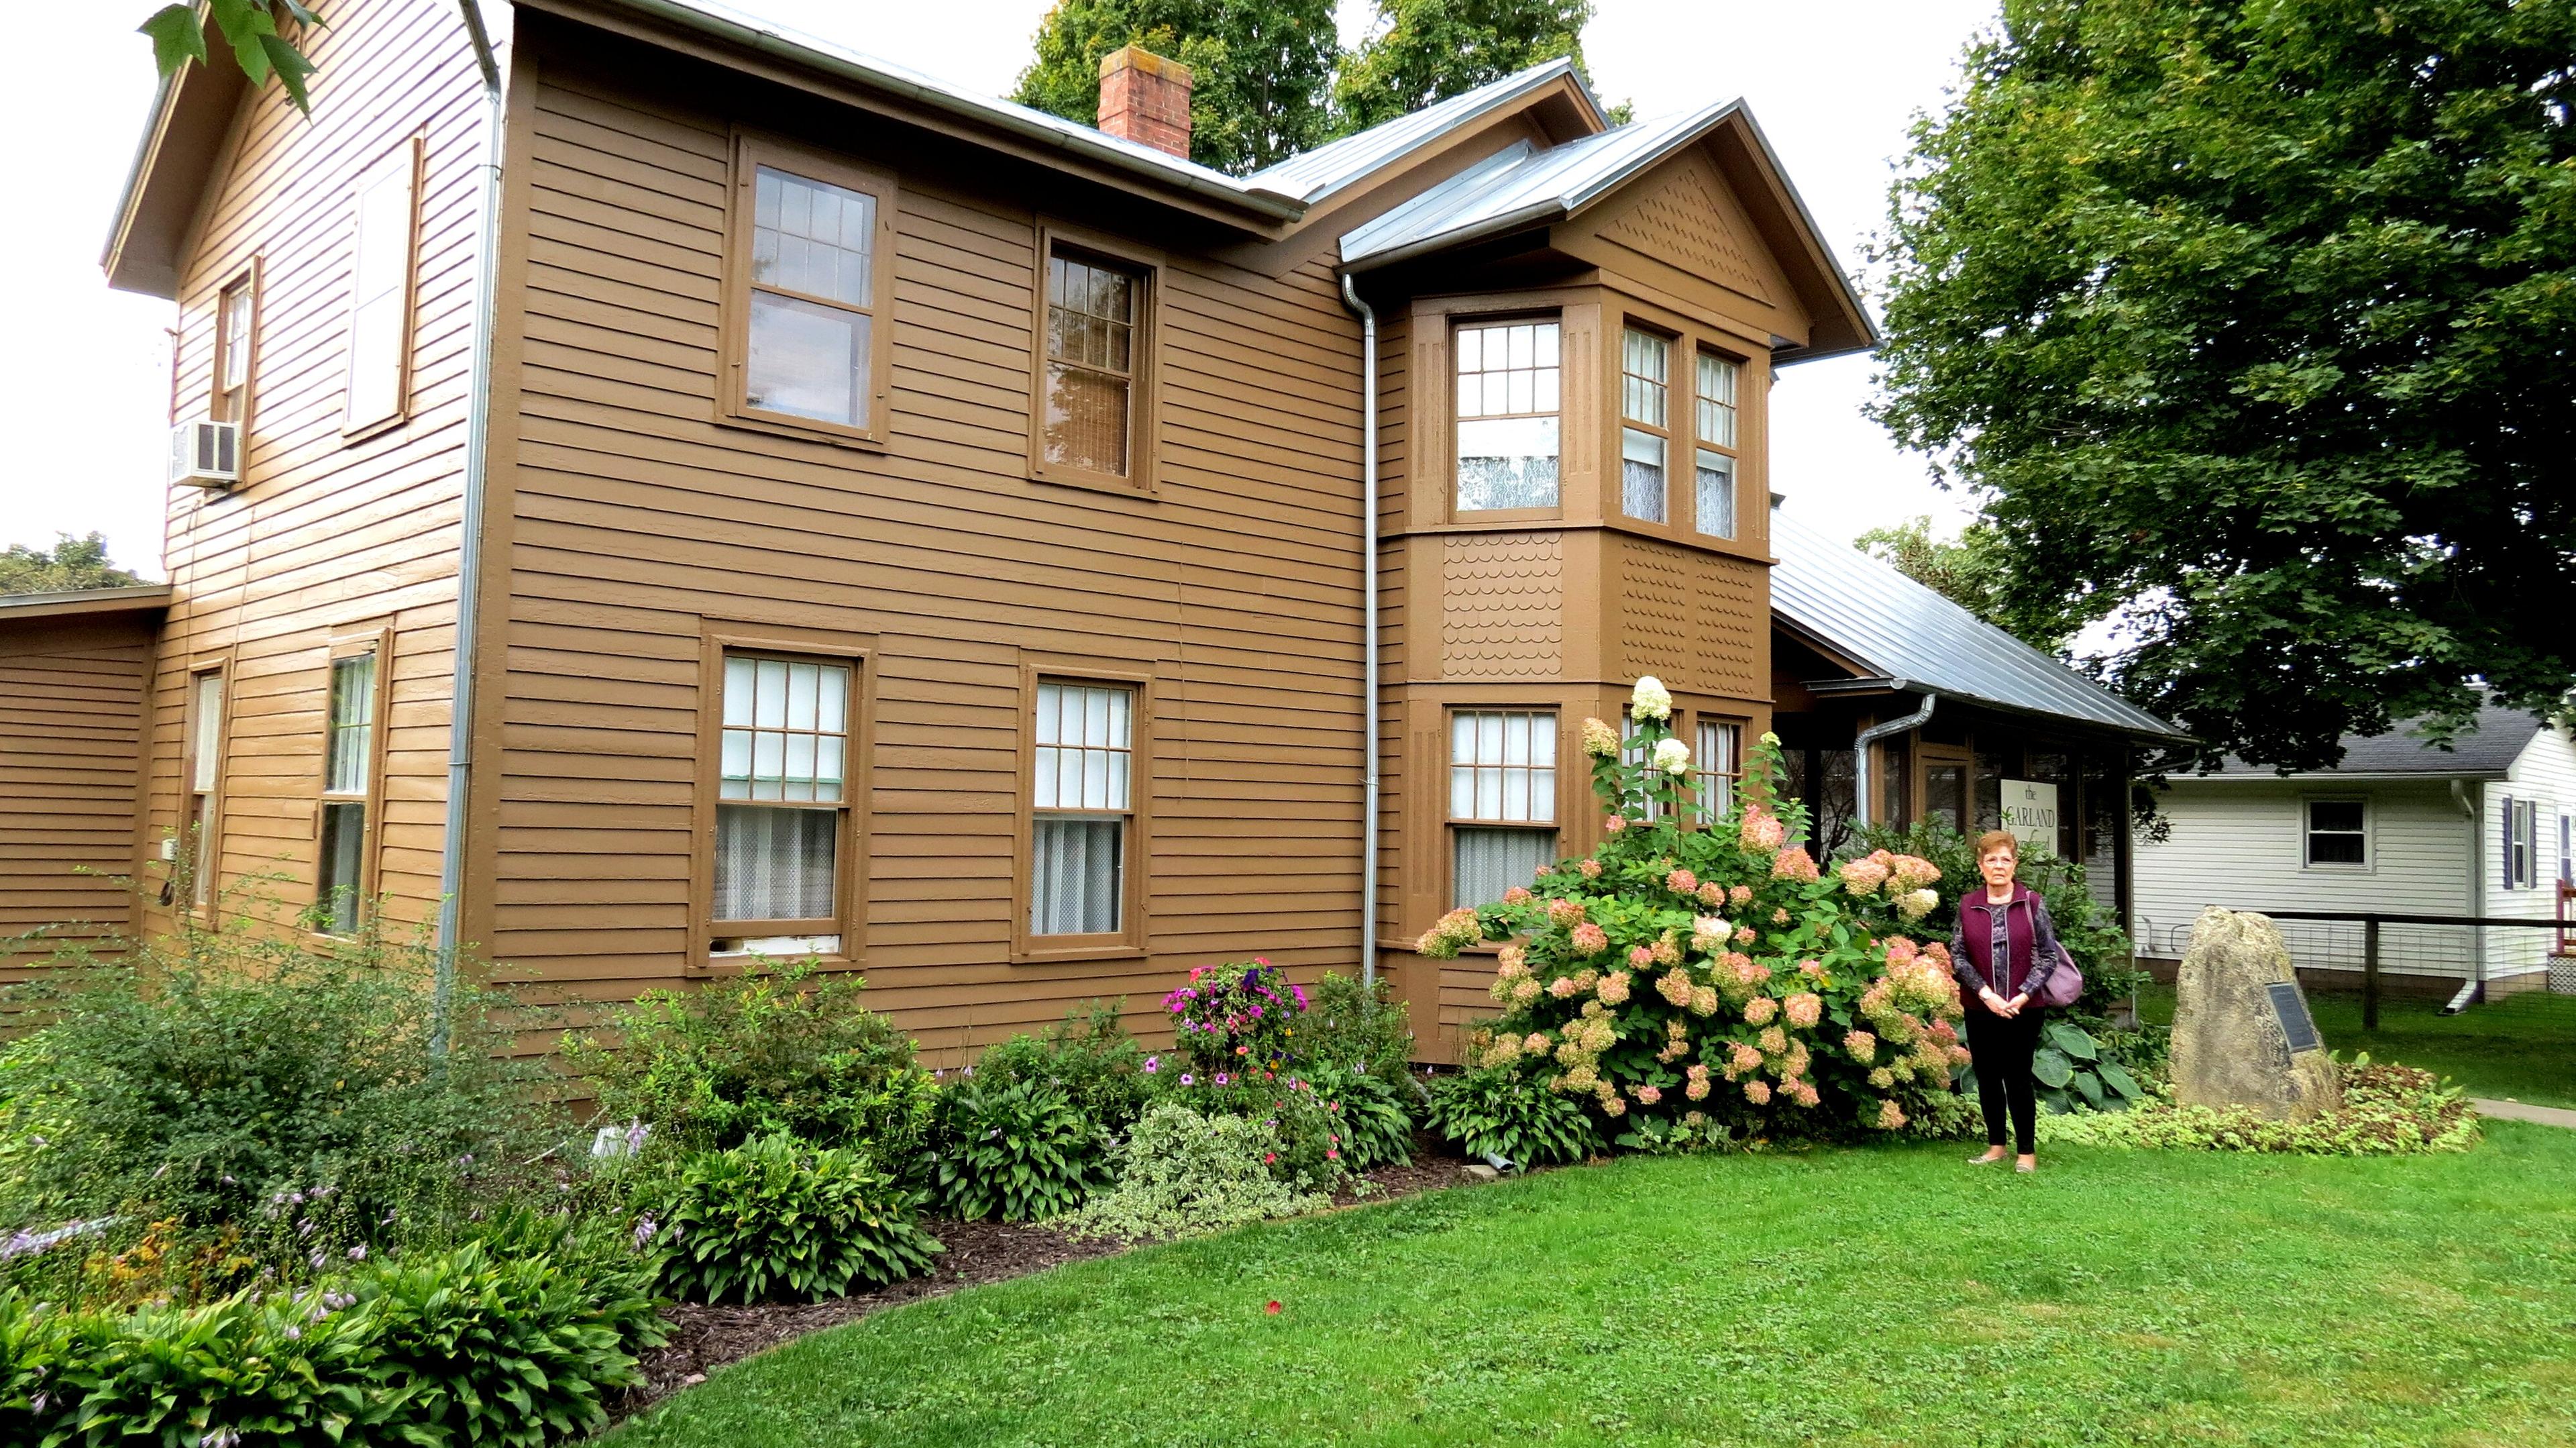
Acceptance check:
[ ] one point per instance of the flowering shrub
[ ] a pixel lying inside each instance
(1238, 1016)
(1703, 978)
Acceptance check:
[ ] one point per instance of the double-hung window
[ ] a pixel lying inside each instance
(2338, 833)
(343, 867)
(235, 311)
(1509, 442)
(782, 804)
(2521, 843)
(1714, 493)
(1094, 345)
(1502, 800)
(384, 263)
(810, 284)
(1082, 798)
(203, 769)
(1716, 766)
(1645, 440)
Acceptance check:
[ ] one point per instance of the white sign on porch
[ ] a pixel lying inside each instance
(2030, 812)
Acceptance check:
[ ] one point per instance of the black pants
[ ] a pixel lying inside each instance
(2003, 1048)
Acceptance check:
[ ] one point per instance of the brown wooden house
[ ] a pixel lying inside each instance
(653, 489)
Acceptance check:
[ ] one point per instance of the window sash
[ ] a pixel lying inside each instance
(1714, 513)
(1082, 807)
(205, 745)
(777, 865)
(1077, 874)
(1508, 394)
(339, 884)
(1645, 373)
(1642, 489)
(1502, 766)
(349, 746)
(785, 736)
(1715, 400)
(1719, 762)
(810, 327)
(232, 349)
(2337, 838)
(1093, 314)
(1486, 860)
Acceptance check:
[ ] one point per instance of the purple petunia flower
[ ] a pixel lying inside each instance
(1153, 1064)
(1185, 1079)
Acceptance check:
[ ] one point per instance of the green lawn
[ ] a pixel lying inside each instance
(2523, 1046)
(1880, 1296)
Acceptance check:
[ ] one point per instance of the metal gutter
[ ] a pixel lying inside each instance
(1061, 135)
(1368, 632)
(469, 554)
(1873, 734)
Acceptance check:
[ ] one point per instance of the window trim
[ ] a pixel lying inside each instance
(1731, 451)
(1563, 823)
(1143, 742)
(219, 380)
(1144, 432)
(355, 429)
(1673, 436)
(209, 871)
(1451, 324)
(859, 653)
(2522, 842)
(2369, 863)
(348, 644)
(1700, 719)
(750, 151)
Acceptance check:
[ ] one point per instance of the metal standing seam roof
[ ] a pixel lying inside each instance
(1310, 176)
(1522, 185)
(1879, 618)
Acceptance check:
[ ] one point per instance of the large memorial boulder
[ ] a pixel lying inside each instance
(2242, 1035)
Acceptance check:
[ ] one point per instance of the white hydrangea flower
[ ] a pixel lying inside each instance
(1672, 756)
(1652, 700)
(1917, 904)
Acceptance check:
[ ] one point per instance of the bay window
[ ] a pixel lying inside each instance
(1645, 442)
(1715, 470)
(1502, 800)
(1509, 431)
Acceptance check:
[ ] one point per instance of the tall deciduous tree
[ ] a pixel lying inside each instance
(256, 32)
(71, 563)
(2252, 316)
(1260, 69)
(1970, 571)
(1422, 51)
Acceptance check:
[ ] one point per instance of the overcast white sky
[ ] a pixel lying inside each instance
(84, 381)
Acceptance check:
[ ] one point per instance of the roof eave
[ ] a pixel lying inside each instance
(66, 603)
(1874, 679)
(2328, 776)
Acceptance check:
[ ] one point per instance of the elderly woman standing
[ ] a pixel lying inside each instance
(2003, 950)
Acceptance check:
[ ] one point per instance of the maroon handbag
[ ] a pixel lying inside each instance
(2063, 985)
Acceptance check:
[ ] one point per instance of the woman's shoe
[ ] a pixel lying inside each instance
(2026, 1164)
(1986, 1160)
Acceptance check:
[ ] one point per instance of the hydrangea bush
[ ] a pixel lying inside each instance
(1696, 980)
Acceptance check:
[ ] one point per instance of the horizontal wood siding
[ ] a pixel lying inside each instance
(639, 525)
(327, 535)
(71, 731)
(2545, 774)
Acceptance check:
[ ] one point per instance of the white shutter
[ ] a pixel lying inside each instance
(380, 289)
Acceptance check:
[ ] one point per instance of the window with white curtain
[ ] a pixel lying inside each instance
(1645, 368)
(1082, 801)
(348, 789)
(387, 206)
(1502, 800)
(782, 798)
(1715, 463)
(1508, 443)
(1716, 766)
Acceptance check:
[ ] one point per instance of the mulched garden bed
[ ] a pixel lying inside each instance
(705, 1338)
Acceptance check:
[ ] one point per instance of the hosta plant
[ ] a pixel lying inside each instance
(1012, 1149)
(1703, 978)
(1490, 1111)
(775, 1220)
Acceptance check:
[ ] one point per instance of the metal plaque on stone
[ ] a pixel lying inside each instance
(2297, 1027)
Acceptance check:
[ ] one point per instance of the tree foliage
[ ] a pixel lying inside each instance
(1260, 70)
(1969, 571)
(258, 33)
(1421, 51)
(71, 563)
(2250, 316)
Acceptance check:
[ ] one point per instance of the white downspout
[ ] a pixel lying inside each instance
(1368, 630)
(1870, 736)
(469, 556)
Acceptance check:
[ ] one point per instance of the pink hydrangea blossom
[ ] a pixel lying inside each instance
(1681, 882)
(1890, 1115)
(1640, 957)
(1697, 1090)
(1862, 1046)
(1517, 895)
(1613, 825)
(1762, 830)
(1562, 987)
(1590, 869)
(1746, 935)
(1649, 1095)
(1711, 893)
(1805, 1094)
(1794, 864)
(1613, 989)
(1568, 913)
(1862, 877)
(1804, 1009)
(1590, 939)
(1759, 1010)
(1739, 894)
(1675, 986)
(1773, 1041)
(1758, 1092)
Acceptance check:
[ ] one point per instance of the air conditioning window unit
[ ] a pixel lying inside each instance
(206, 454)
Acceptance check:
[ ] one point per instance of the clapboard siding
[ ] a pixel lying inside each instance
(327, 536)
(71, 732)
(635, 520)
(2544, 773)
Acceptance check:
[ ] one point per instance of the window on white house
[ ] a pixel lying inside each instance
(1717, 765)
(1508, 427)
(1083, 799)
(812, 296)
(380, 288)
(2567, 849)
(1502, 800)
(349, 754)
(2520, 845)
(1645, 368)
(782, 798)
(1715, 470)
(2338, 832)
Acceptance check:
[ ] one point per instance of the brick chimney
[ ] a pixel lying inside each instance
(1144, 97)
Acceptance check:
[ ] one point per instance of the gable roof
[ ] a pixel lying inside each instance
(1312, 176)
(1913, 638)
(1525, 185)
(2486, 750)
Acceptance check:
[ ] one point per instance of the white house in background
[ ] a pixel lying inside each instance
(2485, 828)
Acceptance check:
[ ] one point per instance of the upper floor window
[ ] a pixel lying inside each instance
(809, 285)
(782, 805)
(2338, 832)
(233, 326)
(341, 883)
(1083, 802)
(1093, 311)
(385, 261)
(1502, 800)
(1508, 424)
(1645, 441)
(1715, 512)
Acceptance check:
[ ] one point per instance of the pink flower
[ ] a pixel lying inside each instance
(1613, 825)
(1862, 877)
(1741, 1058)
(1674, 985)
(1517, 895)
(1613, 1106)
(1681, 882)
(1890, 1115)
(1590, 939)
(1697, 1090)
(1650, 1094)
(1712, 894)
(1613, 989)
(1804, 1094)
(1561, 987)
(1640, 957)
(1773, 1041)
(1568, 913)
(1862, 1045)
(1758, 1092)
(1804, 1009)
(1739, 895)
(1759, 1010)
(1590, 869)
(1746, 935)
(1762, 830)
(1793, 864)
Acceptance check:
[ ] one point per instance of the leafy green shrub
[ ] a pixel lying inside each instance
(202, 1074)
(1181, 1173)
(1714, 978)
(1497, 1111)
(1349, 1026)
(1372, 1116)
(2387, 1111)
(776, 1220)
(468, 1346)
(1013, 1149)
(787, 1049)
(1090, 1055)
